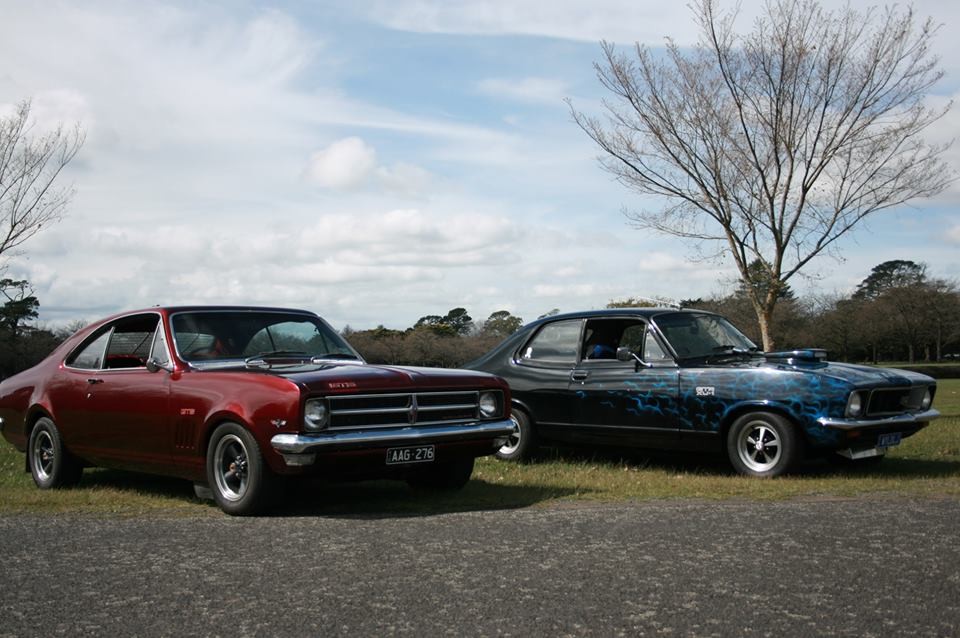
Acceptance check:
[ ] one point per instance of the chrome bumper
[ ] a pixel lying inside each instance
(894, 421)
(301, 449)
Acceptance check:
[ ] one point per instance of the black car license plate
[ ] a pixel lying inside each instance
(413, 454)
(889, 440)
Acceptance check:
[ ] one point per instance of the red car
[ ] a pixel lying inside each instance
(235, 398)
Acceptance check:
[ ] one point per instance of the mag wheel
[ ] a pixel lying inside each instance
(762, 444)
(522, 441)
(51, 465)
(236, 473)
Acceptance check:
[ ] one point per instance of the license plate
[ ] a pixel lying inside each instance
(414, 454)
(889, 440)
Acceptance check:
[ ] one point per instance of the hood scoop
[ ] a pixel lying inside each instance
(807, 357)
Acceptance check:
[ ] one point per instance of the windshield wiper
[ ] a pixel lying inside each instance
(266, 359)
(334, 355)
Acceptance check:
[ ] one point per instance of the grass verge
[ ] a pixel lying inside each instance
(927, 465)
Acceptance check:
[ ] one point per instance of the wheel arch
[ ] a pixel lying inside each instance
(740, 409)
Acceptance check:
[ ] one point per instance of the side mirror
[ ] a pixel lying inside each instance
(154, 366)
(625, 354)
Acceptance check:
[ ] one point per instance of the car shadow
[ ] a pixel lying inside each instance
(395, 499)
(365, 499)
(666, 460)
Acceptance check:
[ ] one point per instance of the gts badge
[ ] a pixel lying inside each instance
(705, 391)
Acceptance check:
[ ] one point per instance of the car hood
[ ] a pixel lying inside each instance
(350, 378)
(856, 375)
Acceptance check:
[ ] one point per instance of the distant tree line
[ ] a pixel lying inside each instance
(897, 313)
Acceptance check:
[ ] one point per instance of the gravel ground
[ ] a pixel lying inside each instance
(863, 567)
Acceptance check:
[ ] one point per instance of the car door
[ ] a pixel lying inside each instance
(625, 402)
(540, 379)
(122, 418)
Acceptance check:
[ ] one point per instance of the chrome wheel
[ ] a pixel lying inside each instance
(230, 467)
(759, 446)
(513, 442)
(44, 455)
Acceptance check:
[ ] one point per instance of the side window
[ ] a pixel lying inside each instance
(90, 355)
(131, 342)
(555, 344)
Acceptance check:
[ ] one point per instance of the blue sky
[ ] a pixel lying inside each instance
(371, 161)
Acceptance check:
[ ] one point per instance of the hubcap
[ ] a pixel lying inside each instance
(513, 441)
(43, 455)
(759, 446)
(230, 467)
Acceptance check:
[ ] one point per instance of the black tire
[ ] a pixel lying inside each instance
(238, 477)
(443, 477)
(763, 444)
(523, 440)
(51, 464)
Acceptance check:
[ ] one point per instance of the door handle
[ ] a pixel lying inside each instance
(579, 375)
(94, 381)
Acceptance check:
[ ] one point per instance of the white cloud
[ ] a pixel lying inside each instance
(345, 164)
(953, 234)
(531, 89)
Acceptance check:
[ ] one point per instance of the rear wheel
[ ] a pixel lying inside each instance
(763, 444)
(236, 473)
(51, 465)
(443, 477)
(522, 441)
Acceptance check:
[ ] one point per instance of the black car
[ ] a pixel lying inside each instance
(689, 380)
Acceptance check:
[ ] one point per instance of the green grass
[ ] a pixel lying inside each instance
(925, 465)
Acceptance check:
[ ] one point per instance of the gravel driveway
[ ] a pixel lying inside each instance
(864, 567)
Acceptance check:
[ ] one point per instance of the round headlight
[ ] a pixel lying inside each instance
(927, 400)
(315, 414)
(489, 406)
(855, 405)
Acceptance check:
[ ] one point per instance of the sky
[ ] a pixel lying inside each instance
(372, 161)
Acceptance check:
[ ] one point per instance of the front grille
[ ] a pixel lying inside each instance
(889, 401)
(394, 410)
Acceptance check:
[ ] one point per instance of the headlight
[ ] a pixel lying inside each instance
(927, 400)
(855, 404)
(315, 414)
(489, 405)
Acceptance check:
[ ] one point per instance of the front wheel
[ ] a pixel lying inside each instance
(763, 444)
(51, 465)
(236, 473)
(522, 441)
(443, 477)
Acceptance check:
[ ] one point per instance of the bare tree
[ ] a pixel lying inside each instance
(775, 143)
(29, 166)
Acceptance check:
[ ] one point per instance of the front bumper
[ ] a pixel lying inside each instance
(899, 420)
(301, 449)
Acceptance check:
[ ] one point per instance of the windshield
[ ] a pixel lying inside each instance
(695, 336)
(226, 335)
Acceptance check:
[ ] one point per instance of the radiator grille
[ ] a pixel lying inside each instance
(395, 410)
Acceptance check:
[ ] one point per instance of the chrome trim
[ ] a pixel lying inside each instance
(1, 424)
(328, 441)
(900, 419)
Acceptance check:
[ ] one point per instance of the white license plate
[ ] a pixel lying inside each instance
(889, 440)
(413, 454)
